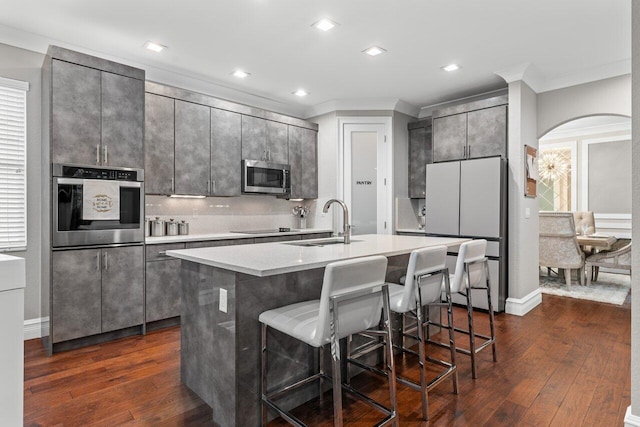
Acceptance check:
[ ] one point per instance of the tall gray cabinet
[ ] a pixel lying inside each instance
(471, 131)
(93, 113)
(303, 158)
(420, 154)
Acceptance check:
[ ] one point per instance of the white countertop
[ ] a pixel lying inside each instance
(267, 259)
(228, 236)
(12, 271)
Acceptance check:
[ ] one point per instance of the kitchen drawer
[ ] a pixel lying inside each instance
(271, 239)
(214, 243)
(157, 252)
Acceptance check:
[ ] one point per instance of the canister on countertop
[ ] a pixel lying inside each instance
(172, 227)
(157, 227)
(183, 228)
(147, 227)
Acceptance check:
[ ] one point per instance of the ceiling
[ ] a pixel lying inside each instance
(564, 41)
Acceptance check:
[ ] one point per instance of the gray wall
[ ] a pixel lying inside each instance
(607, 96)
(20, 64)
(610, 177)
(635, 278)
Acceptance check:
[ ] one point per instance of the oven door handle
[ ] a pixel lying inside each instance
(78, 181)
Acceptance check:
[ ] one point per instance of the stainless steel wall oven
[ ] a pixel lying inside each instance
(116, 205)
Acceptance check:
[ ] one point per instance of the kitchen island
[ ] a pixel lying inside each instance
(224, 290)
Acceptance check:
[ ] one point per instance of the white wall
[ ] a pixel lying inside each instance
(20, 64)
(523, 231)
(608, 96)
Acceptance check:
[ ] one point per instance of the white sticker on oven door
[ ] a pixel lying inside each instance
(100, 200)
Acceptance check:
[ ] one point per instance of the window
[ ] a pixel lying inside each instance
(557, 177)
(13, 133)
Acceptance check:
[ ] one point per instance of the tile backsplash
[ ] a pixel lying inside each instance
(222, 214)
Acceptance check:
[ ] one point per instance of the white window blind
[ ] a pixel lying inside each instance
(13, 138)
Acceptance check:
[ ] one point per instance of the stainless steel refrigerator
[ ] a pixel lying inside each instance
(468, 198)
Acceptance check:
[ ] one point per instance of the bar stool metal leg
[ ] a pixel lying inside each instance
(491, 316)
(452, 341)
(390, 364)
(422, 359)
(335, 361)
(472, 335)
(263, 373)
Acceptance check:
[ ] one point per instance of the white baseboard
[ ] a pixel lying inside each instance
(521, 306)
(33, 327)
(631, 420)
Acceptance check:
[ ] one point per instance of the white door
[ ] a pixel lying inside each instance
(365, 177)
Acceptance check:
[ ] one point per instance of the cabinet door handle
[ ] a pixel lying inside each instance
(208, 187)
(264, 155)
(469, 151)
(269, 155)
(106, 156)
(97, 154)
(173, 185)
(213, 187)
(106, 261)
(98, 261)
(162, 252)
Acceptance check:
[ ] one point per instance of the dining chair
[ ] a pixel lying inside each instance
(558, 246)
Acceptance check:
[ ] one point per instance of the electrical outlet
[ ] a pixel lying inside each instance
(527, 213)
(223, 300)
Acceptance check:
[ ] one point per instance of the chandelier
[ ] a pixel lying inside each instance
(552, 165)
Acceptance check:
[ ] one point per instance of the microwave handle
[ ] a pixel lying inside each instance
(285, 180)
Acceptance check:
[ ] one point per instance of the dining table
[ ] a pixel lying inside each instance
(596, 241)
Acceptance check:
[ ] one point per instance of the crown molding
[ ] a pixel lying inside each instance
(387, 104)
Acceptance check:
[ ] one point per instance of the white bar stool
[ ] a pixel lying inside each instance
(472, 272)
(353, 294)
(426, 279)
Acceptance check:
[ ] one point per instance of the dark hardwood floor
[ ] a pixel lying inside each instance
(566, 363)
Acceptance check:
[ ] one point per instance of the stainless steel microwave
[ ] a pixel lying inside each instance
(259, 177)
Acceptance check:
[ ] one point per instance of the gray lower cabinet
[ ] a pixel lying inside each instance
(450, 137)
(95, 291)
(162, 295)
(122, 121)
(303, 159)
(308, 236)
(75, 294)
(158, 144)
(487, 132)
(97, 117)
(420, 154)
(192, 148)
(226, 160)
(271, 239)
(215, 243)
(122, 287)
(75, 114)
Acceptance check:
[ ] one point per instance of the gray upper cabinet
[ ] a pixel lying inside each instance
(75, 294)
(449, 137)
(303, 158)
(226, 139)
(420, 154)
(277, 142)
(122, 287)
(97, 117)
(254, 138)
(470, 131)
(159, 144)
(122, 121)
(264, 140)
(75, 114)
(487, 132)
(192, 148)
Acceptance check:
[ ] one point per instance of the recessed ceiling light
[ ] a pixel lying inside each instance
(154, 46)
(241, 74)
(451, 67)
(324, 24)
(301, 92)
(374, 50)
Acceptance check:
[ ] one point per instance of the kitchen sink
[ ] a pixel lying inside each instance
(319, 243)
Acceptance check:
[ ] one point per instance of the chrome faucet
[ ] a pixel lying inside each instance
(345, 220)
